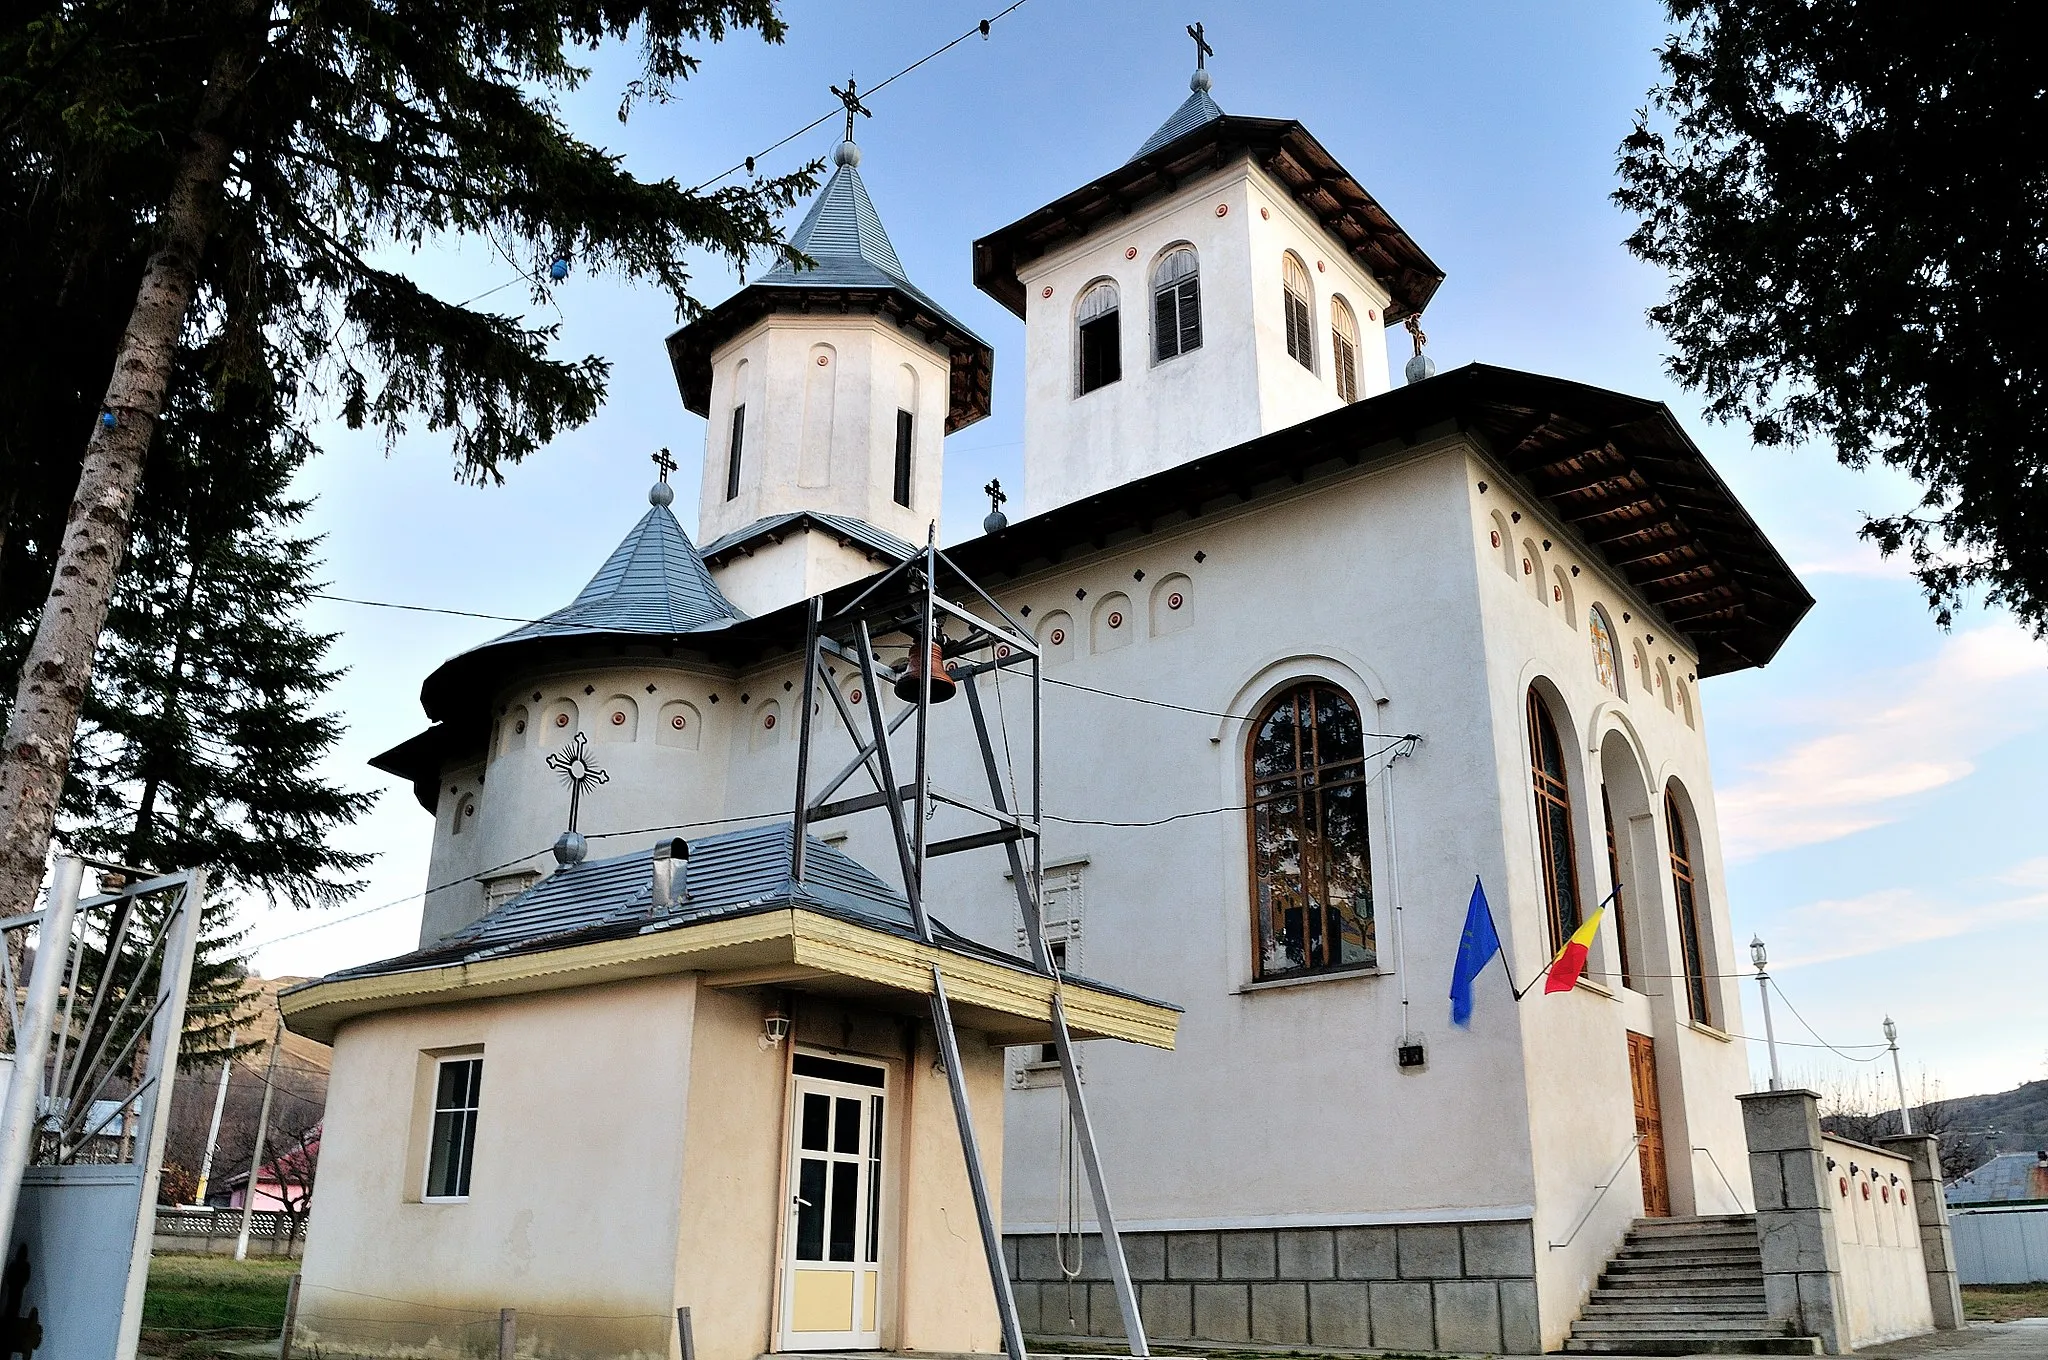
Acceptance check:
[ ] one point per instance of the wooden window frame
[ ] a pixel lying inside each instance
(1344, 349)
(1111, 317)
(1628, 978)
(1176, 307)
(1303, 785)
(1300, 311)
(1553, 792)
(1685, 902)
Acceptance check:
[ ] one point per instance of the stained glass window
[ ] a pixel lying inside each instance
(1553, 824)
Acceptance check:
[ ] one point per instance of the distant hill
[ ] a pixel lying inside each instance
(2020, 1116)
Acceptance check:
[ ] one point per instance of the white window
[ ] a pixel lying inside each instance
(1344, 350)
(502, 889)
(451, 1149)
(1176, 304)
(1301, 316)
(1060, 903)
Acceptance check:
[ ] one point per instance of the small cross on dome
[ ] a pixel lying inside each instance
(1202, 48)
(661, 493)
(666, 463)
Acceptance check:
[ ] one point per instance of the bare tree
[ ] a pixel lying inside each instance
(1865, 1108)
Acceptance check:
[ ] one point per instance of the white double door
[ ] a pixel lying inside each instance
(832, 1270)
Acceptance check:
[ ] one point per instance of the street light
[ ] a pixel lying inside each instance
(1891, 1036)
(1759, 957)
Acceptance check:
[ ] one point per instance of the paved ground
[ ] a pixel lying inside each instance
(1979, 1341)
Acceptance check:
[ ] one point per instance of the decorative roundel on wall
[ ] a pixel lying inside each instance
(469, 811)
(1372, 314)
(1265, 214)
(678, 722)
(520, 727)
(1527, 568)
(1223, 210)
(1884, 1192)
(1866, 1190)
(1319, 266)
(618, 719)
(1557, 594)
(1059, 635)
(1130, 252)
(1116, 618)
(855, 696)
(1046, 292)
(1496, 538)
(561, 720)
(768, 722)
(1174, 601)
(1003, 649)
(823, 360)
(1842, 1184)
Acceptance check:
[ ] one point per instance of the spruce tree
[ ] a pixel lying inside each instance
(239, 166)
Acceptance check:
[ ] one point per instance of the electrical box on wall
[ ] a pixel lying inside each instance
(1409, 1053)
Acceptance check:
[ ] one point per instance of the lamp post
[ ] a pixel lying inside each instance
(1759, 957)
(1891, 1037)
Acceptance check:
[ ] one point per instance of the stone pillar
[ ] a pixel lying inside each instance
(1937, 1246)
(1795, 1216)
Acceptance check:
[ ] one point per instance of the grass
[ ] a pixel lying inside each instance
(2004, 1302)
(196, 1300)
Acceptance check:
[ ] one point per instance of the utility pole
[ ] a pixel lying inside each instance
(1759, 957)
(220, 1102)
(262, 1132)
(1891, 1036)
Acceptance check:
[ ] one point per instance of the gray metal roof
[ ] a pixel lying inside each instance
(1198, 109)
(844, 235)
(654, 582)
(860, 531)
(2007, 1178)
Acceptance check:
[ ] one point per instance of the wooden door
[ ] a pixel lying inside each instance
(1642, 1080)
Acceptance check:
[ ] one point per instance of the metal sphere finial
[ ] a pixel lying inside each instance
(570, 848)
(1201, 80)
(847, 154)
(661, 493)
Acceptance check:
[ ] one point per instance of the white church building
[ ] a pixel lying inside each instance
(1321, 651)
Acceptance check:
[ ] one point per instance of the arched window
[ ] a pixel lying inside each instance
(1176, 304)
(1301, 317)
(1604, 655)
(1099, 338)
(1344, 349)
(1311, 876)
(1553, 824)
(1685, 893)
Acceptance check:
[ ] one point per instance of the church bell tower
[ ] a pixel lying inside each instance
(828, 387)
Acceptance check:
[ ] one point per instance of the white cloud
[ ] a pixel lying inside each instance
(1896, 735)
(1847, 928)
(1859, 558)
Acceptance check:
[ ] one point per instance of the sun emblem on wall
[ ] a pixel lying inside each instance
(572, 762)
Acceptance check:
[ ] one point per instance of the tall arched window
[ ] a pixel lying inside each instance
(1311, 876)
(1604, 654)
(1685, 893)
(1344, 349)
(1301, 317)
(1553, 824)
(1098, 338)
(1176, 304)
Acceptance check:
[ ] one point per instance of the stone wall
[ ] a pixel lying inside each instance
(1417, 1287)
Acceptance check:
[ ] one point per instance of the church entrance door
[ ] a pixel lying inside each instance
(832, 1273)
(1642, 1079)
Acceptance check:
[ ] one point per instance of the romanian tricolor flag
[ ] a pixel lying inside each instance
(1571, 960)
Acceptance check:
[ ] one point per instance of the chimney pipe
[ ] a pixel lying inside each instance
(671, 875)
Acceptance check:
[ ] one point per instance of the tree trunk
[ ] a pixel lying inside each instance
(58, 668)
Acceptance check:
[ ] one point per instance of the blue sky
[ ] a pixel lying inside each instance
(1879, 783)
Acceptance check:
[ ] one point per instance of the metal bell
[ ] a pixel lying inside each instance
(919, 669)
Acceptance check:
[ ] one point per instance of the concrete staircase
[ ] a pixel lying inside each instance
(1684, 1286)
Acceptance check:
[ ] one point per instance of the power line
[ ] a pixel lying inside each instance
(1816, 1033)
(747, 164)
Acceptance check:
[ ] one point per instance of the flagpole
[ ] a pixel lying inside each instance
(1545, 970)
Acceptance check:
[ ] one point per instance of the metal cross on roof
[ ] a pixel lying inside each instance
(1202, 48)
(850, 97)
(665, 463)
(573, 763)
(996, 495)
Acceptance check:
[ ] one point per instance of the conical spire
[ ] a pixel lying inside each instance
(1198, 109)
(653, 583)
(843, 233)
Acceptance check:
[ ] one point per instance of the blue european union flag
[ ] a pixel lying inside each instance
(1476, 949)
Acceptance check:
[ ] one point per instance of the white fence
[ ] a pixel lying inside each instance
(2001, 1246)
